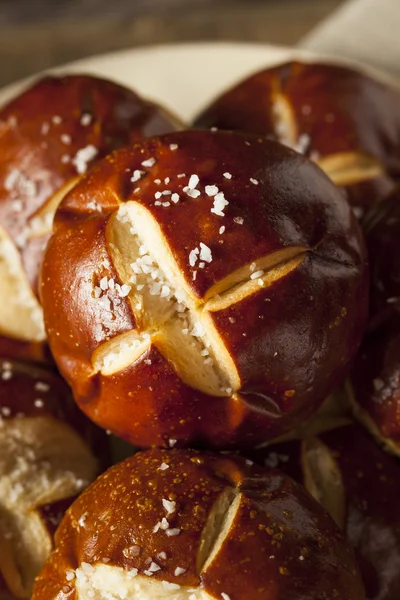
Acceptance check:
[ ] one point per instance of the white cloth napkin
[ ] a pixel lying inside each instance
(362, 30)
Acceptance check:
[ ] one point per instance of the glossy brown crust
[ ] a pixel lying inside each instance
(371, 481)
(275, 524)
(335, 109)
(27, 351)
(291, 342)
(42, 132)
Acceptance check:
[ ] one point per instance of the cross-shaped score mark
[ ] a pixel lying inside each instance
(167, 312)
(343, 168)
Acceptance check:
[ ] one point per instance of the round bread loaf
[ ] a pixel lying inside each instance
(374, 386)
(216, 295)
(345, 121)
(49, 135)
(359, 484)
(190, 526)
(45, 460)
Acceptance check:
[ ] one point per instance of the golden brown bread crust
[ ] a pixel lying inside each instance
(49, 135)
(322, 110)
(275, 540)
(289, 340)
(45, 460)
(374, 383)
(29, 351)
(369, 508)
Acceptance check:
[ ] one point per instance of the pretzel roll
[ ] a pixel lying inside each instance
(181, 524)
(345, 121)
(382, 228)
(374, 388)
(45, 461)
(215, 297)
(359, 484)
(48, 137)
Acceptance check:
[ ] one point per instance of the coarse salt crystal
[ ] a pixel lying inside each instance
(69, 575)
(169, 505)
(39, 403)
(132, 573)
(256, 274)
(225, 596)
(253, 181)
(137, 174)
(211, 190)
(40, 386)
(124, 290)
(172, 532)
(179, 571)
(65, 138)
(173, 147)
(104, 283)
(86, 119)
(222, 229)
(205, 253)
(175, 198)
(220, 203)
(193, 181)
(227, 176)
(163, 467)
(193, 256)
(150, 162)
(83, 157)
(192, 193)
(172, 442)
(238, 220)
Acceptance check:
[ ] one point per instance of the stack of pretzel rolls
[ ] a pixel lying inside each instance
(223, 299)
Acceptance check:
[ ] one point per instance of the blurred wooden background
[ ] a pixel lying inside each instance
(37, 34)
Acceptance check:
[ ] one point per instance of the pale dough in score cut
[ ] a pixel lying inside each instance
(41, 461)
(167, 312)
(113, 583)
(343, 168)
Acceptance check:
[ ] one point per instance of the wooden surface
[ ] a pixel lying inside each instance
(37, 34)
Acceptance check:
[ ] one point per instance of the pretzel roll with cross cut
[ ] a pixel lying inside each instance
(46, 459)
(215, 297)
(190, 526)
(49, 135)
(344, 120)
